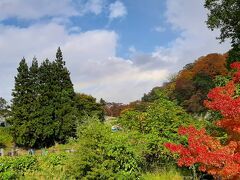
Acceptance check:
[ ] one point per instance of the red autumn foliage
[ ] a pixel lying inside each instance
(220, 160)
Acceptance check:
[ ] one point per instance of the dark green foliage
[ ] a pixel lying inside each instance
(152, 95)
(21, 104)
(233, 56)
(102, 102)
(225, 15)
(56, 99)
(103, 154)
(202, 83)
(21, 88)
(43, 104)
(86, 105)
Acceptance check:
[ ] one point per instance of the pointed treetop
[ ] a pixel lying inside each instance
(34, 61)
(23, 61)
(59, 56)
(22, 65)
(34, 67)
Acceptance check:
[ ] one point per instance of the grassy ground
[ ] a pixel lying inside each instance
(171, 174)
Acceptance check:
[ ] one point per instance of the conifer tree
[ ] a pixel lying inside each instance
(21, 127)
(44, 105)
(64, 104)
(56, 111)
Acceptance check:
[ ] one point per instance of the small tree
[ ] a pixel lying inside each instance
(86, 105)
(208, 152)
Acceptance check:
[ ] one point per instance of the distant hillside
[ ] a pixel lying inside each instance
(190, 86)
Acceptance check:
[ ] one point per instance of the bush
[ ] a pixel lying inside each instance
(162, 117)
(158, 125)
(11, 167)
(51, 166)
(102, 154)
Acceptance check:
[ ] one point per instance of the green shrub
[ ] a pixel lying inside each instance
(158, 124)
(51, 166)
(55, 159)
(11, 167)
(8, 175)
(162, 117)
(102, 154)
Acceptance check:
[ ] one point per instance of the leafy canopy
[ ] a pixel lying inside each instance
(225, 15)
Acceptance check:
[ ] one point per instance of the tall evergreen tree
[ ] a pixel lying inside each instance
(47, 122)
(34, 79)
(43, 103)
(64, 104)
(21, 127)
(57, 112)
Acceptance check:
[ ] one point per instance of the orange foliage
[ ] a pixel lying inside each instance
(212, 65)
(189, 93)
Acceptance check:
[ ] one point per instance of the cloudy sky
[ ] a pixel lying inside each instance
(114, 49)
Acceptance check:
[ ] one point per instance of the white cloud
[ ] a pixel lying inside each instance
(94, 6)
(31, 9)
(60, 10)
(164, 55)
(74, 29)
(90, 57)
(195, 38)
(117, 10)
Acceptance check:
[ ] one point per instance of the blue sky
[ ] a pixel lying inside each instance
(114, 49)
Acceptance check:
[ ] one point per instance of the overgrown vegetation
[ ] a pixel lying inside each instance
(77, 143)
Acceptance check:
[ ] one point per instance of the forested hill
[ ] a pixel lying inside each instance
(189, 87)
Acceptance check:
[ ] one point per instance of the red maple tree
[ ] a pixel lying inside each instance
(211, 156)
